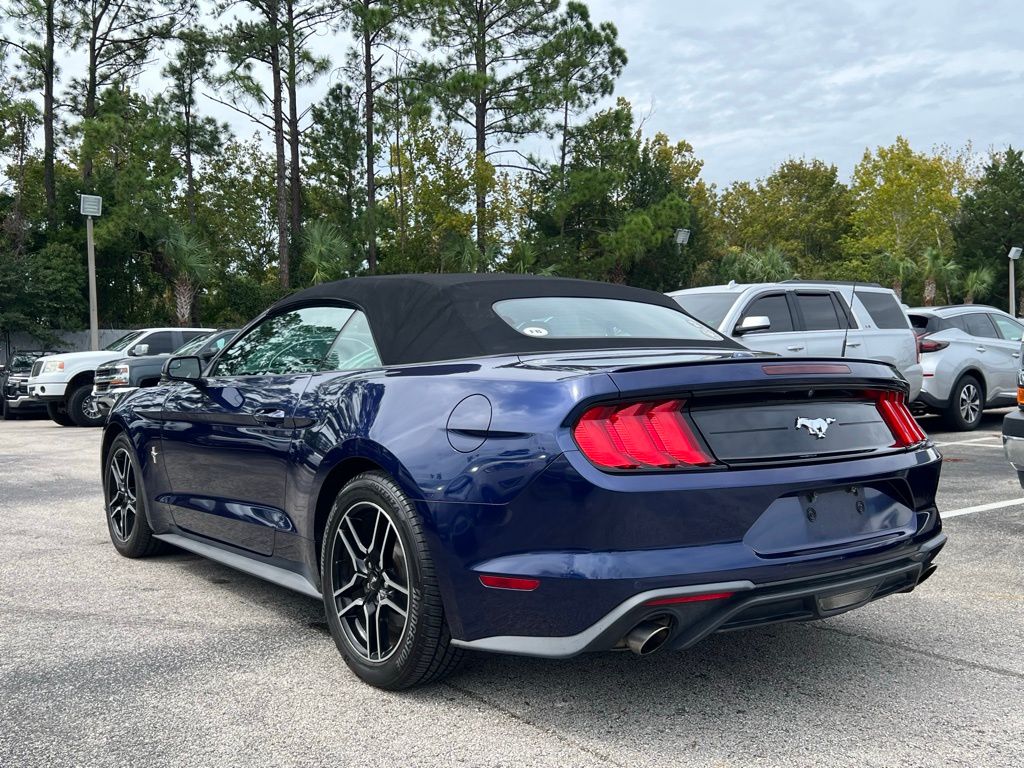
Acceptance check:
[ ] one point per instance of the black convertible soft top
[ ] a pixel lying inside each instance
(434, 317)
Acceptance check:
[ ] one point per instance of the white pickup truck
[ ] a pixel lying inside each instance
(64, 382)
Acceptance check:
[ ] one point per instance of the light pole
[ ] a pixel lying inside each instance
(1013, 255)
(89, 206)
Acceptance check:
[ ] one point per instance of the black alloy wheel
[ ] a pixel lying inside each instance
(966, 404)
(125, 500)
(381, 596)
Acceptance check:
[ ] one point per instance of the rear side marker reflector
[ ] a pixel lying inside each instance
(893, 408)
(510, 582)
(795, 369)
(643, 435)
(689, 598)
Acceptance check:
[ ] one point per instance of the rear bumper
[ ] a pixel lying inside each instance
(746, 605)
(1013, 439)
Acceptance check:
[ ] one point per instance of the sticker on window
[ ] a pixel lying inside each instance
(535, 330)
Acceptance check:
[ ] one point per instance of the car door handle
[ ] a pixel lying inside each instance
(270, 417)
(1016, 354)
(851, 344)
(794, 348)
(981, 349)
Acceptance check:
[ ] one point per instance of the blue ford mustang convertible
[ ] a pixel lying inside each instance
(524, 465)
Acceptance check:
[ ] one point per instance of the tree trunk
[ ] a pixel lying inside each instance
(480, 126)
(49, 183)
(371, 190)
(190, 179)
(897, 288)
(294, 169)
(90, 95)
(282, 182)
(929, 292)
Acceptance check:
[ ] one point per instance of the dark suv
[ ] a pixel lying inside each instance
(14, 398)
(126, 374)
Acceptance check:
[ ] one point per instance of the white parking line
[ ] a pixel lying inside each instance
(975, 441)
(982, 508)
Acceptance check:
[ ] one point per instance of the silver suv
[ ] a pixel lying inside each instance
(807, 318)
(970, 354)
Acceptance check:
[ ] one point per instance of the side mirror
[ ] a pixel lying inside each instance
(752, 324)
(139, 350)
(185, 368)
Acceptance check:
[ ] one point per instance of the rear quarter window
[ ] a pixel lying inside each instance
(883, 308)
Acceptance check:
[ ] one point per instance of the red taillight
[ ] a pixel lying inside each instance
(924, 344)
(689, 598)
(644, 435)
(893, 407)
(509, 582)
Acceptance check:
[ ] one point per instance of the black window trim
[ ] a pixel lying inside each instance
(840, 310)
(765, 295)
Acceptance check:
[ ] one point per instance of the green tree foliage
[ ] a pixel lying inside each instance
(801, 208)
(614, 213)
(991, 221)
(765, 265)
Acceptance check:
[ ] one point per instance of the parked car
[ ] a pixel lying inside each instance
(970, 355)
(812, 319)
(118, 377)
(1013, 429)
(524, 465)
(14, 397)
(64, 382)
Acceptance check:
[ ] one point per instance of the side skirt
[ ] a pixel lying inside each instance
(272, 573)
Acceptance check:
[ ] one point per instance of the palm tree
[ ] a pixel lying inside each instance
(523, 261)
(903, 268)
(937, 270)
(326, 255)
(188, 259)
(758, 266)
(978, 283)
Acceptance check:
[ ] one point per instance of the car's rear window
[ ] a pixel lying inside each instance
(885, 311)
(710, 308)
(588, 318)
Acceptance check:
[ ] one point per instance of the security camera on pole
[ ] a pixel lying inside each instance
(89, 206)
(1013, 255)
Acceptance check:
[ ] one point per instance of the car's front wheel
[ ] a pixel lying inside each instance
(966, 404)
(58, 412)
(83, 409)
(380, 590)
(125, 497)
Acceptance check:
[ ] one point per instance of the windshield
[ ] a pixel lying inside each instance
(194, 345)
(124, 342)
(563, 317)
(710, 308)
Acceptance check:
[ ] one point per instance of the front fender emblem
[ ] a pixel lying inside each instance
(815, 427)
(152, 452)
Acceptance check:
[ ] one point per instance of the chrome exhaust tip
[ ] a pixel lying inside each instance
(647, 637)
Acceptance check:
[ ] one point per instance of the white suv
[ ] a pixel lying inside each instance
(808, 318)
(64, 382)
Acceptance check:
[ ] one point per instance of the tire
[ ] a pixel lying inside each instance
(58, 412)
(82, 408)
(966, 404)
(414, 648)
(124, 502)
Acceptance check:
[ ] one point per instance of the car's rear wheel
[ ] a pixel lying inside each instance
(380, 590)
(125, 497)
(966, 404)
(58, 412)
(83, 409)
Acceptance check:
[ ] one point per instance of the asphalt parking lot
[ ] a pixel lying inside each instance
(180, 661)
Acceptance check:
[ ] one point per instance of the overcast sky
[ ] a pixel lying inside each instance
(752, 83)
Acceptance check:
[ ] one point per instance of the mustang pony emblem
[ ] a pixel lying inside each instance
(816, 427)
